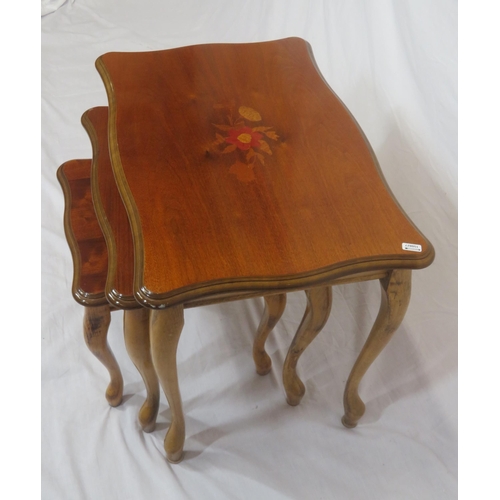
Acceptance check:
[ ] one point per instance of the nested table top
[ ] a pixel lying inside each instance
(84, 235)
(110, 212)
(241, 170)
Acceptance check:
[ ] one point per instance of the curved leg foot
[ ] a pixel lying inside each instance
(274, 307)
(96, 322)
(319, 304)
(165, 330)
(396, 290)
(136, 333)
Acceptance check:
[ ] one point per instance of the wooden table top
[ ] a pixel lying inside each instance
(83, 233)
(241, 171)
(110, 213)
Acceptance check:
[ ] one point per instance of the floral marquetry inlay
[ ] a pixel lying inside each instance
(244, 139)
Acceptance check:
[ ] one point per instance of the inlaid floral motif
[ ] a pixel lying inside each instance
(240, 138)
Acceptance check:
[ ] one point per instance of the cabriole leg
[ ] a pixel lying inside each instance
(319, 304)
(136, 333)
(96, 322)
(396, 289)
(165, 330)
(274, 307)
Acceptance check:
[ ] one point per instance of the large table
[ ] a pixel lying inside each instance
(243, 174)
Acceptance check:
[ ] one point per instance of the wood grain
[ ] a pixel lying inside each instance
(110, 213)
(83, 234)
(318, 208)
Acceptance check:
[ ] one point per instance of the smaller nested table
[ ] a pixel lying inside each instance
(243, 174)
(90, 267)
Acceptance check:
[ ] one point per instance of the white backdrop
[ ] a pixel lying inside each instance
(394, 65)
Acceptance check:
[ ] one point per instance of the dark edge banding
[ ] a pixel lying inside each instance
(259, 286)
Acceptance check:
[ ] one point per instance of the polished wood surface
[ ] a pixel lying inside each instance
(83, 233)
(110, 213)
(242, 171)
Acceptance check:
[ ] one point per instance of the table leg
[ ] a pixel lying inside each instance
(136, 333)
(319, 304)
(274, 307)
(165, 331)
(396, 289)
(96, 322)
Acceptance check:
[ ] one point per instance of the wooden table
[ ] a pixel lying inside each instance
(243, 174)
(95, 222)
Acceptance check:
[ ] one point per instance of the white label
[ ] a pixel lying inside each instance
(412, 247)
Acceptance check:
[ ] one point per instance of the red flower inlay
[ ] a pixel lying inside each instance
(245, 144)
(244, 138)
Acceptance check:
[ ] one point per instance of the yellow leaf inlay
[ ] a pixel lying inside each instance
(265, 147)
(249, 113)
